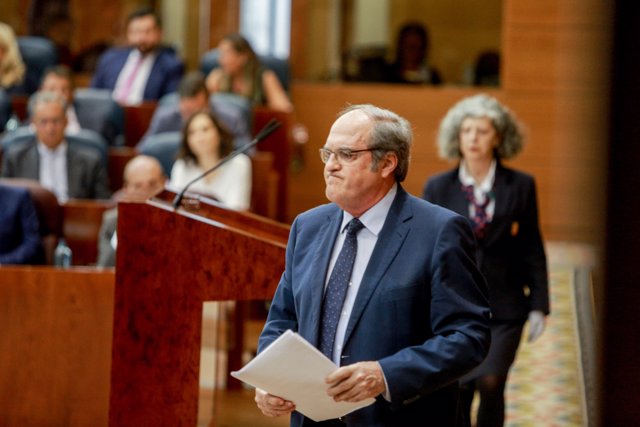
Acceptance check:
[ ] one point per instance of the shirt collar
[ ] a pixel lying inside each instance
(373, 219)
(487, 183)
(60, 150)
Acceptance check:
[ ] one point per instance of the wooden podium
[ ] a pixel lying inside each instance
(170, 262)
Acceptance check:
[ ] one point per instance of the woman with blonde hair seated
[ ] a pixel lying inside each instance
(12, 68)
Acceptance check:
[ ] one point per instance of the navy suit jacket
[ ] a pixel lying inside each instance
(511, 256)
(421, 310)
(86, 174)
(164, 78)
(19, 229)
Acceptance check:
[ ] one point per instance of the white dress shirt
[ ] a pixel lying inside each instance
(134, 95)
(373, 220)
(53, 170)
(480, 190)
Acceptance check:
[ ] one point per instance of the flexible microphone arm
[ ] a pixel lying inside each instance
(267, 130)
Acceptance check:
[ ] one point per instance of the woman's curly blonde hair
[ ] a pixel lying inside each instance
(12, 68)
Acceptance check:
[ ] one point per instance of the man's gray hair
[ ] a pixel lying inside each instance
(44, 97)
(478, 106)
(390, 133)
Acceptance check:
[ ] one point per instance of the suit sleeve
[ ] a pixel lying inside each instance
(30, 246)
(100, 181)
(459, 316)
(282, 313)
(534, 256)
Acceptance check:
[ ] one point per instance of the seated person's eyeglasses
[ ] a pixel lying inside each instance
(343, 155)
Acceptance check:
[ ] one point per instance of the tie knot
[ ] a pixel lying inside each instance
(354, 226)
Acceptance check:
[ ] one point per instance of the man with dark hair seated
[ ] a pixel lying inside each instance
(59, 79)
(193, 96)
(19, 230)
(144, 71)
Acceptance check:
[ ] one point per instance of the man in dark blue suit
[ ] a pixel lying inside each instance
(145, 71)
(415, 315)
(19, 229)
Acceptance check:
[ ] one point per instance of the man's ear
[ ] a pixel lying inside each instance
(388, 164)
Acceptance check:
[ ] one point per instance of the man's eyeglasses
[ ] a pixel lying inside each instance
(343, 155)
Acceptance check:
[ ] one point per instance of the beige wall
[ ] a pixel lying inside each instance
(555, 82)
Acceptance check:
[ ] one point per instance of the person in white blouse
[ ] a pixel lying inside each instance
(204, 143)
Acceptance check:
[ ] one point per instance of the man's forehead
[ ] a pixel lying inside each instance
(48, 108)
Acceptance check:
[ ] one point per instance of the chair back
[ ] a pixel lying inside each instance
(211, 60)
(164, 147)
(48, 210)
(38, 54)
(97, 111)
(5, 109)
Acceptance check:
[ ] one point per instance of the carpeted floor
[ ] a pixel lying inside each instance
(545, 386)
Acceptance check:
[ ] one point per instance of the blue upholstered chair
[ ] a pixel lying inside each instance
(38, 54)
(164, 147)
(97, 111)
(210, 60)
(5, 109)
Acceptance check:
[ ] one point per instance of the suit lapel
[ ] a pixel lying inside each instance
(326, 239)
(32, 169)
(389, 242)
(459, 203)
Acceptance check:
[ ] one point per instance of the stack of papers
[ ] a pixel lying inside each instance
(294, 370)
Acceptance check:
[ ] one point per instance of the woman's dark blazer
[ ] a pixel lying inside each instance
(511, 256)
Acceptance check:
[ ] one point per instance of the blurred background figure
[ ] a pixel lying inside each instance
(486, 71)
(67, 170)
(241, 73)
(501, 204)
(143, 71)
(87, 110)
(12, 68)
(59, 79)
(205, 141)
(19, 228)
(193, 96)
(143, 178)
(411, 64)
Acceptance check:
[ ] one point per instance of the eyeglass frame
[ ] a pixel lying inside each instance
(342, 152)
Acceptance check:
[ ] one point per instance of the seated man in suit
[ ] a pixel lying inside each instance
(193, 97)
(143, 178)
(144, 71)
(68, 171)
(59, 79)
(19, 231)
(383, 283)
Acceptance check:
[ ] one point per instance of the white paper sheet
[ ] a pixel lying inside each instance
(295, 370)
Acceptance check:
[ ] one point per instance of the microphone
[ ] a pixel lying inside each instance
(267, 130)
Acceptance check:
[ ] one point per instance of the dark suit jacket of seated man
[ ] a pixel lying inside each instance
(144, 34)
(86, 175)
(415, 316)
(19, 229)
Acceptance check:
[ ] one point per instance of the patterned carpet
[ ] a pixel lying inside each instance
(546, 384)
(545, 387)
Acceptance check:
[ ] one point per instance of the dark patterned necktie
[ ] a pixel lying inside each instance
(480, 218)
(337, 288)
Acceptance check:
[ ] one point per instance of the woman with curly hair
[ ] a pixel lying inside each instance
(12, 68)
(478, 132)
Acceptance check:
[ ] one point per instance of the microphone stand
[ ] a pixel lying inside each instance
(267, 130)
